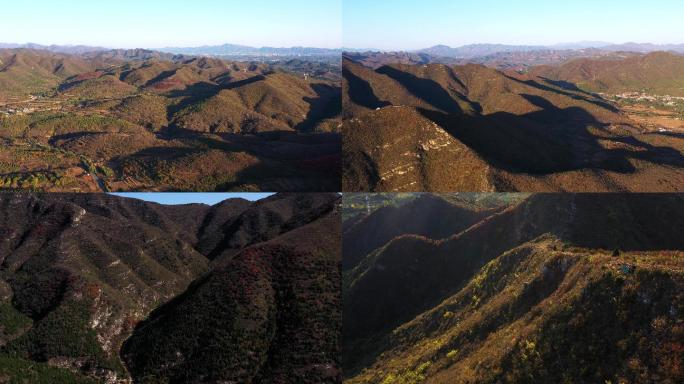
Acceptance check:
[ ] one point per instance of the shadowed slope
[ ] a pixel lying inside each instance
(514, 131)
(411, 274)
(546, 312)
(428, 216)
(78, 272)
(265, 310)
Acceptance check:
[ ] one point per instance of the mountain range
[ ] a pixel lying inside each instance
(148, 120)
(97, 289)
(69, 49)
(476, 50)
(562, 288)
(243, 50)
(501, 56)
(205, 50)
(587, 124)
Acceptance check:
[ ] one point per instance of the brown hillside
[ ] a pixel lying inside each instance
(143, 120)
(24, 71)
(504, 132)
(654, 73)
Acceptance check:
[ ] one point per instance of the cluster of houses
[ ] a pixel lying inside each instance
(640, 96)
(24, 107)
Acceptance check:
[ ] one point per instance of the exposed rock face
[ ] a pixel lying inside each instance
(80, 272)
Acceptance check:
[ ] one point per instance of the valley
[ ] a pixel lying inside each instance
(498, 288)
(144, 120)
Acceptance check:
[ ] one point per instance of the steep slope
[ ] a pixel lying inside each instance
(493, 130)
(411, 274)
(265, 311)
(148, 111)
(546, 312)
(85, 279)
(398, 149)
(181, 221)
(79, 272)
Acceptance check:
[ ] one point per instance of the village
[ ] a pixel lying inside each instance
(666, 100)
(34, 103)
(657, 113)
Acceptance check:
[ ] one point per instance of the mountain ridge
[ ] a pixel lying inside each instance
(462, 308)
(420, 127)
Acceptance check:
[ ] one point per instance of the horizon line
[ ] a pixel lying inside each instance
(170, 46)
(598, 45)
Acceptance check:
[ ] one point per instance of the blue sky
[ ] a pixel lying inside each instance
(414, 24)
(186, 198)
(162, 23)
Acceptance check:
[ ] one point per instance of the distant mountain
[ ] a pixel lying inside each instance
(475, 50)
(519, 60)
(70, 49)
(645, 48)
(522, 60)
(580, 45)
(479, 50)
(345, 49)
(510, 57)
(204, 50)
(243, 50)
(378, 59)
(132, 54)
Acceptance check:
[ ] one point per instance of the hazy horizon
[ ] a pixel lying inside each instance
(560, 44)
(156, 24)
(158, 48)
(405, 25)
